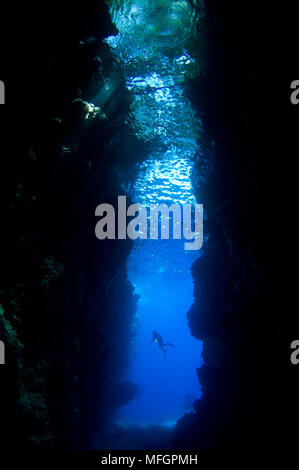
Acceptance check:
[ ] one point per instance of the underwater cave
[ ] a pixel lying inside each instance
(155, 48)
(139, 343)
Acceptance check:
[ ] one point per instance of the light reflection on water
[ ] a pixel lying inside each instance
(151, 48)
(165, 180)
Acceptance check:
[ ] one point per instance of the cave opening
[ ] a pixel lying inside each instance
(160, 273)
(157, 48)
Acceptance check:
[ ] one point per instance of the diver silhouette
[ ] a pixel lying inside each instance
(160, 342)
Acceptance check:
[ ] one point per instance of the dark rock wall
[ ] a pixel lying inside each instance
(240, 282)
(66, 303)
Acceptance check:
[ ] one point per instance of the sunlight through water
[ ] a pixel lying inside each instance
(157, 51)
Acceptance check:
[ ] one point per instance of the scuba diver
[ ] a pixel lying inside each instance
(160, 342)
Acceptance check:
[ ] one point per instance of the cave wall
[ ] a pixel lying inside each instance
(66, 303)
(239, 282)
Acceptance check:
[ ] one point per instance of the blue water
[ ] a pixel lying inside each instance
(165, 296)
(156, 49)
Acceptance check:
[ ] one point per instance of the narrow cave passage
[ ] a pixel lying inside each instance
(159, 271)
(157, 48)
